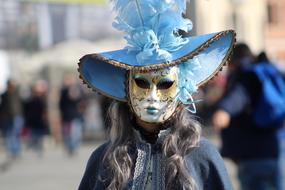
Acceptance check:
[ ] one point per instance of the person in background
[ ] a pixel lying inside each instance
(71, 109)
(11, 120)
(253, 147)
(36, 119)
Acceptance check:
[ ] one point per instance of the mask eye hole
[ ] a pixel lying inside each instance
(164, 84)
(142, 83)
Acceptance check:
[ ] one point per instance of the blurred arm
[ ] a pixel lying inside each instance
(232, 104)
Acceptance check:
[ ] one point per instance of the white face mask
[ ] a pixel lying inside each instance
(153, 94)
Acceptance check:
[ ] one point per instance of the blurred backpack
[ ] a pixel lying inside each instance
(270, 108)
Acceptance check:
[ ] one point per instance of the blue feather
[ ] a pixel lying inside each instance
(151, 26)
(186, 85)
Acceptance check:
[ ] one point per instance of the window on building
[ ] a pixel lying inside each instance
(271, 13)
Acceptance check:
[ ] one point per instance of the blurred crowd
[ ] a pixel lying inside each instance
(25, 121)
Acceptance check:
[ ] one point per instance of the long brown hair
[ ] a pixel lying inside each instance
(184, 136)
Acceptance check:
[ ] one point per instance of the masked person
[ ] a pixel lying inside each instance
(153, 142)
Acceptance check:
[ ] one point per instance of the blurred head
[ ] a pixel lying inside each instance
(69, 80)
(240, 52)
(40, 88)
(262, 58)
(11, 85)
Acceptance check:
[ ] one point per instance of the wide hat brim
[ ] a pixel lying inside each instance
(106, 72)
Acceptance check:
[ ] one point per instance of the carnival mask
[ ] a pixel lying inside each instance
(153, 94)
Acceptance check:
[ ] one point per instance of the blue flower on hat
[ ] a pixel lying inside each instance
(146, 43)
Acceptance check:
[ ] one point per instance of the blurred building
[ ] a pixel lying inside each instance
(30, 25)
(51, 35)
(33, 25)
(260, 23)
(247, 17)
(8, 17)
(275, 32)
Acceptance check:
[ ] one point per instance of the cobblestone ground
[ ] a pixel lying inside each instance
(54, 170)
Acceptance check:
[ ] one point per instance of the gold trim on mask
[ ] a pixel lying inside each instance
(177, 109)
(155, 90)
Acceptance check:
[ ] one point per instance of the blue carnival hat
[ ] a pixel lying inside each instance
(153, 30)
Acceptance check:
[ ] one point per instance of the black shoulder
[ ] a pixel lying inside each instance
(207, 167)
(97, 154)
(91, 172)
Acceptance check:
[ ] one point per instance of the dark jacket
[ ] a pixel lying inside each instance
(244, 139)
(35, 112)
(10, 108)
(69, 107)
(10, 104)
(204, 164)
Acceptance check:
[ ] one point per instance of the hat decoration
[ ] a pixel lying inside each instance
(154, 41)
(186, 86)
(152, 26)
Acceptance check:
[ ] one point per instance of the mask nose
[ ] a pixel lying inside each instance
(152, 97)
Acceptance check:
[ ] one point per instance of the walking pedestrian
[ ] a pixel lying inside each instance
(36, 118)
(11, 120)
(250, 115)
(71, 97)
